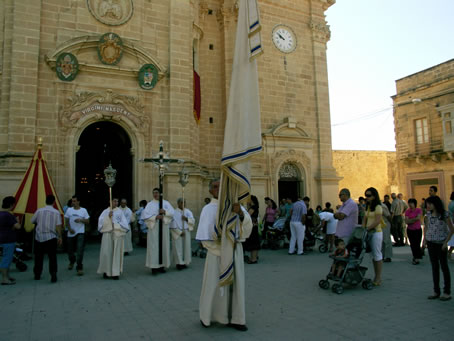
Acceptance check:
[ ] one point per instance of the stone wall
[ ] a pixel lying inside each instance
(361, 169)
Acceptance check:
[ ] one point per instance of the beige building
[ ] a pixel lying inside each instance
(424, 122)
(104, 81)
(361, 169)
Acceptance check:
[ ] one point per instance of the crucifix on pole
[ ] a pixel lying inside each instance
(161, 161)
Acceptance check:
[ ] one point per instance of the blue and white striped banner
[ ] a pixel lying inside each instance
(242, 138)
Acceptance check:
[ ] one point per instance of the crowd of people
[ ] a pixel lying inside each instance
(427, 226)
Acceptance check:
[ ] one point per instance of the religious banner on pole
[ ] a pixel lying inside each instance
(34, 188)
(242, 137)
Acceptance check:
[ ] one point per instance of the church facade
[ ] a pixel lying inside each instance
(104, 81)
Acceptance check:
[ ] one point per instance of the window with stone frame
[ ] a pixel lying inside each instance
(421, 131)
(448, 130)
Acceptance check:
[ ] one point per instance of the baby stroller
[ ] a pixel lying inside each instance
(310, 239)
(276, 234)
(353, 273)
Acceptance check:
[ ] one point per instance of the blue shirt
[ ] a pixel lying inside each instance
(299, 209)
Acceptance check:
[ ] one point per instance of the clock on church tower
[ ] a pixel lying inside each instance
(284, 38)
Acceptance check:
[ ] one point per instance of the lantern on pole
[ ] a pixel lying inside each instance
(110, 175)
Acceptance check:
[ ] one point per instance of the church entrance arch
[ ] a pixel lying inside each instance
(291, 183)
(101, 143)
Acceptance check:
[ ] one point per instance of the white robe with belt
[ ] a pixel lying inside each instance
(221, 304)
(149, 215)
(112, 243)
(181, 236)
(128, 237)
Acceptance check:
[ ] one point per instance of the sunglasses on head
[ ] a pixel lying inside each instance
(368, 195)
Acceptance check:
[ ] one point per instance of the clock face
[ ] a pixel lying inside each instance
(284, 39)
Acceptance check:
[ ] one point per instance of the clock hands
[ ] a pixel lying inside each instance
(281, 36)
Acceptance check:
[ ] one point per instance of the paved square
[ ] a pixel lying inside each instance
(283, 302)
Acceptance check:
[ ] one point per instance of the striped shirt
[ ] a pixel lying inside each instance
(299, 209)
(47, 220)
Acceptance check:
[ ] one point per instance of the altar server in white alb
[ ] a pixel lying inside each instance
(180, 231)
(113, 225)
(151, 216)
(226, 304)
(130, 217)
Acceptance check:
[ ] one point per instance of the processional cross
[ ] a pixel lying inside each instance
(161, 161)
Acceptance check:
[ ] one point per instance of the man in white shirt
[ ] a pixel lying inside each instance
(180, 231)
(113, 226)
(75, 218)
(151, 216)
(226, 304)
(130, 218)
(47, 236)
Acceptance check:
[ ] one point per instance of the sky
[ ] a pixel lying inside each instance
(373, 43)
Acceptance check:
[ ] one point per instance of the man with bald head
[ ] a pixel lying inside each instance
(347, 215)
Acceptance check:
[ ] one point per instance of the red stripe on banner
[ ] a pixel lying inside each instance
(32, 202)
(197, 97)
(24, 180)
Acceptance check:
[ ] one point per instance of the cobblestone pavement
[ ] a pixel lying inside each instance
(283, 302)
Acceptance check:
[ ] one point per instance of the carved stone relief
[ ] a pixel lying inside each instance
(111, 12)
(320, 31)
(108, 106)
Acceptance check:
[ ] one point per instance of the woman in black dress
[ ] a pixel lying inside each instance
(252, 244)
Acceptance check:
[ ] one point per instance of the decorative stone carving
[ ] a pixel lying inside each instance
(111, 12)
(109, 105)
(148, 76)
(110, 48)
(226, 13)
(320, 31)
(67, 67)
(289, 170)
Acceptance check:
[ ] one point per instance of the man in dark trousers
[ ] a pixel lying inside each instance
(47, 236)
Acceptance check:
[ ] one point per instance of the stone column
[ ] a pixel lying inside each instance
(180, 68)
(20, 81)
(326, 177)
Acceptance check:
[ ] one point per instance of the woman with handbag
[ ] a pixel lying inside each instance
(438, 230)
(373, 223)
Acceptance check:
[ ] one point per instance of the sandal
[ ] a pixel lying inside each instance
(415, 262)
(251, 262)
(376, 283)
(433, 297)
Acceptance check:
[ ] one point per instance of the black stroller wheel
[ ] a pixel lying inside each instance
(367, 284)
(324, 284)
(322, 248)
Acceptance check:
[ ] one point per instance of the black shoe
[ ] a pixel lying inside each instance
(240, 327)
(53, 278)
(162, 270)
(37, 277)
(126, 253)
(154, 271)
(387, 260)
(116, 278)
(179, 267)
(203, 324)
(104, 275)
(184, 266)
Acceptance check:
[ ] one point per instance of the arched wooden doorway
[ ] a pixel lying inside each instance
(102, 143)
(291, 182)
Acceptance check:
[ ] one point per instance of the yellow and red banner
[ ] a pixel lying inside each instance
(34, 188)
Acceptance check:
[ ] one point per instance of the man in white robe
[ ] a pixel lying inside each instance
(180, 231)
(113, 226)
(151, 216)
(130, 218)
(225, 305)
